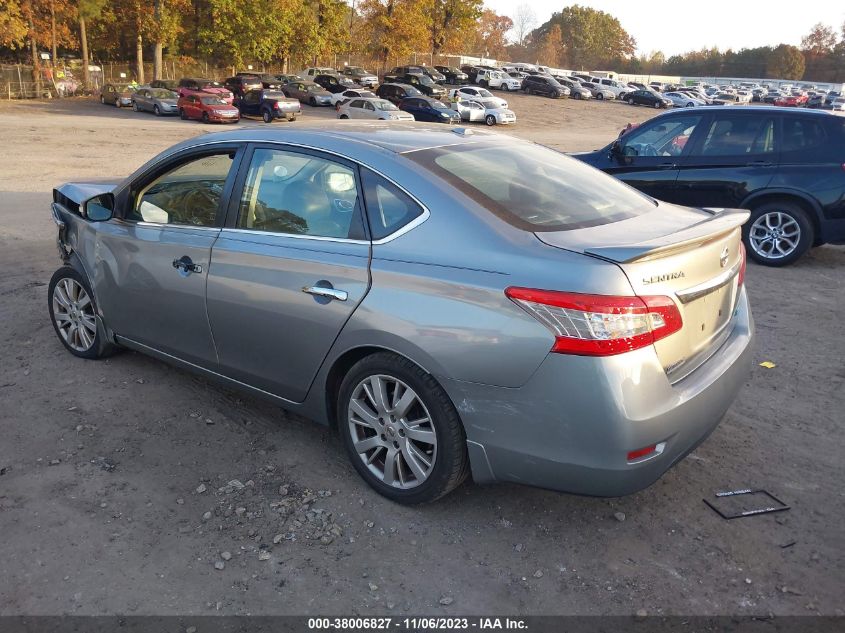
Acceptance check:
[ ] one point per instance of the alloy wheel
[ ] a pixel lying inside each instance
(392, 431)
(774, 235)
(73, 312)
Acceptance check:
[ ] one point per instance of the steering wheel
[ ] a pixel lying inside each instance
(197, 204)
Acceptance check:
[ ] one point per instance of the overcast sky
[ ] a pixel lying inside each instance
(680, 26)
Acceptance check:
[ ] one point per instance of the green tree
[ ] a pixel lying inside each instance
(786, 62)
(593, 38)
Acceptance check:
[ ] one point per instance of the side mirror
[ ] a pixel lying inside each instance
(99, 208)
(615, 149)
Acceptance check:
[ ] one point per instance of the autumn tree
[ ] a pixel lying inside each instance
(393, 28)
(819, 41)
(490, 37)
(450, 22)
(13, 28)
(550, 48)
(786, 62)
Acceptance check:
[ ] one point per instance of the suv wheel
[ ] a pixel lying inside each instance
(267, 116)
(401, 431)
(778, 233)
(73, 314)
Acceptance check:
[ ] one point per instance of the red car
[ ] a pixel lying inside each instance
(191, 85)
(792, 101)
(207, 108)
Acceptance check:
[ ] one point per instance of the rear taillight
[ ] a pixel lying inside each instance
(599, 325)
(276, 105)
(742, 264)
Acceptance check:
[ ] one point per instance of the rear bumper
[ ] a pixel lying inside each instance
(571, 426)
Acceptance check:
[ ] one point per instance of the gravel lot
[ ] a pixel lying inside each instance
(124, 482)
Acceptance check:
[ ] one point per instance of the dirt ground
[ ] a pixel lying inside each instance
(122, 482)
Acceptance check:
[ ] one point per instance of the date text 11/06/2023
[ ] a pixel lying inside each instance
(416, 624)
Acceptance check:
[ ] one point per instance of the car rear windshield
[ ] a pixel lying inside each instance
(274, 94)
(534, 188)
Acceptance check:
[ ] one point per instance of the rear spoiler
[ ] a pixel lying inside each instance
(720, 224)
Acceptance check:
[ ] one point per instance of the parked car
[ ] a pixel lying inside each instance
(166, 84)
(815, 101)
(346, 95)
(360, 76)
(428, 109)
(454, 76)
(683, 100)
(838, 104)
(156, 100)
(476, 93)
(310, 73)
(497, 79)
(576, 90)
(647, 98)
(376, 109)
(448, 303)
(268, 81)
(471, 72)
(545, 86)
(118, 95)
(429, 71)
(791, 101)
(484, 110)
(239, 85)
(207, 108)
(786, 166)
(423, 83)
(269, 105)
(336, 83)
(618, 88)
(598, 92)
(831, 97)
(396, 92)
(308, 92)
(284, 80)
(190, 85)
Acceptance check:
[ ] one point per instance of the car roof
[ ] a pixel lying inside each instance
(358, 140)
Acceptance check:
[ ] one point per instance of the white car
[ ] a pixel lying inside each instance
(310, 73)
(497, 79)
(682, 100)
(484, 110)
(476, 93)
(838, 104)
(618, 88)
(745, 96)
(372, 108)
(352, 93)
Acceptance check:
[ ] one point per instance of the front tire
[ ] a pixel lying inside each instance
(490, 120)
(205, 117)
(182, 115)
(156, 110)
(657, 105)
(135, 107)
(630, 101)
(778, 233)
(73, 314)
(401, 431)
(600, 97)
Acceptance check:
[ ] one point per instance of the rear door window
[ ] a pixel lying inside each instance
(739, 135)
(811, 139)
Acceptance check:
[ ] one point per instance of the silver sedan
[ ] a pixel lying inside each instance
(450, 301)
(159, 101)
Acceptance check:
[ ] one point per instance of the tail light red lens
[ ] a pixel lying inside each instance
(742, 263)
(599, 325)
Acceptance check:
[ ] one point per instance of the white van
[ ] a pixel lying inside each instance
(618, 88)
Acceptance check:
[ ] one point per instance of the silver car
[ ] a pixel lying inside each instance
(451, 301)
(159, 101)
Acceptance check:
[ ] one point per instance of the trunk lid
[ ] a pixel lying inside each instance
(692, 256)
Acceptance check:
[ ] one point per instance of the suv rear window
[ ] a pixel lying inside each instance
(813, 139)
(534, 188)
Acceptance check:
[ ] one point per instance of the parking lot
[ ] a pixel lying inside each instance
(123, 481)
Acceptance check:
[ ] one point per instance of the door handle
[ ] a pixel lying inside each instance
(666, 165)
(186, 265)
(328, 293)
(760, 163)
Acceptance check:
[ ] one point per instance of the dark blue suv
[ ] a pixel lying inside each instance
(786, 166)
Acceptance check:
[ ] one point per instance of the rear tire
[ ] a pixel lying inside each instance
(73, 311)
(102, 100)
(778, 233)
(266, 116)
(440, 441)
